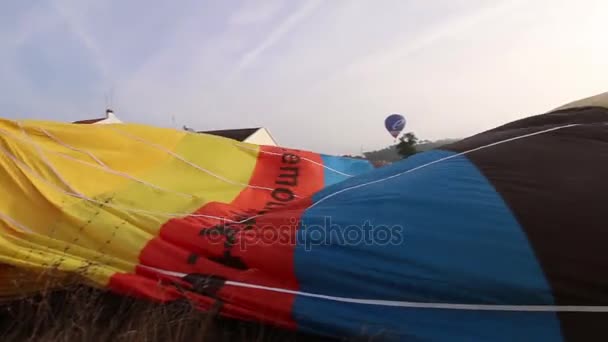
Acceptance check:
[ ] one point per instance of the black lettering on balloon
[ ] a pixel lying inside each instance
(290, 158)
(229, 232)
(282, 194)
(289, 176)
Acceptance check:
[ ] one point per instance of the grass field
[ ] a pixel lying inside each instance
(80, 313)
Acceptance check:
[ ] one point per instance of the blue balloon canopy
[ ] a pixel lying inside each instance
(394, 124)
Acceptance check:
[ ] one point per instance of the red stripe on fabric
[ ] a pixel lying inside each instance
(260, 251)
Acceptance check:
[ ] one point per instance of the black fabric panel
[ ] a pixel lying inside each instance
(558, 118)
(556, 184)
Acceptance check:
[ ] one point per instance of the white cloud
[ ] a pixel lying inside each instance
(276, 35)
(255, 12)
(458, 26)
(73, 19)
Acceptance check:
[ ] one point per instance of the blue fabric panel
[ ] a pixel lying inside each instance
(349, 166)
(402, 324)
(451, 239)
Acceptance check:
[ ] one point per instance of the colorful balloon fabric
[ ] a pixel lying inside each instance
(498, 237)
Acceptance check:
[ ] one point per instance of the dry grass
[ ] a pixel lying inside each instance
(80, 313)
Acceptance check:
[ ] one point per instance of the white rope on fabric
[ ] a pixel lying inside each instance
(405, 304)
(430, 305)
(358, 186)
(68, 146)
(99, 165)
(15, 223)
(302, 158)
(225, 219)
(128, 176)
(182, 159)
(46, 161)
(104, 204)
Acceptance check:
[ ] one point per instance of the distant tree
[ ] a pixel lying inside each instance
(386, 154)
(354, 157)
(407, 145)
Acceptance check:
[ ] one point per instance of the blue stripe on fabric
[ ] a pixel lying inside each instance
(350, 166)
(319, 317)
(458, 243)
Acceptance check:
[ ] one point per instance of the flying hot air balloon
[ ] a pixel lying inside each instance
(394, 124)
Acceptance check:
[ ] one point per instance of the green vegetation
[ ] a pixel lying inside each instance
(408, 145)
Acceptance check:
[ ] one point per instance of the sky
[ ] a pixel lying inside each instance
(321, 75)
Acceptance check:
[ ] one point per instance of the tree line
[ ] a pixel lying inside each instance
(408, 145)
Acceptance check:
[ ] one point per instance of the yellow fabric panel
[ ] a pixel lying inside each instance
(38, 254)
(90, 197)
